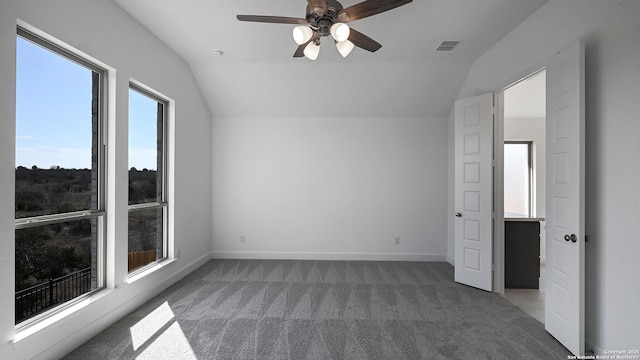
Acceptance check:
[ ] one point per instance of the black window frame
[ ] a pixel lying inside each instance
(97, 211)
(161, 202)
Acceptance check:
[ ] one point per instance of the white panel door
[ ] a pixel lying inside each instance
(473, 191)
(564, 315)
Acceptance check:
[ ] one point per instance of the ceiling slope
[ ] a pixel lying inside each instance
(257, 75)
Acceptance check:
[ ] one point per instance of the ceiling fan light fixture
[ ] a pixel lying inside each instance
(340, 31)
(312, 50)
(302, 34)
(324, 18)
(345, 47)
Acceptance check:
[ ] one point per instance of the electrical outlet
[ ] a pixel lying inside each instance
(397, 240)
(242, 238)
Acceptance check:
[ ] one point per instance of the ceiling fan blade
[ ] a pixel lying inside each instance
(318, 6)
(273, 19)
(363, 41)
(300, 50)
(368, 8)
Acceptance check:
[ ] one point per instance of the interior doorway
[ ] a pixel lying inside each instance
(524, 185)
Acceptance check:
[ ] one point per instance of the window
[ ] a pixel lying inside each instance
(147, 178)
(59, 188)
(518, 178)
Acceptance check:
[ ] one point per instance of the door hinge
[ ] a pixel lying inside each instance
(493, 267)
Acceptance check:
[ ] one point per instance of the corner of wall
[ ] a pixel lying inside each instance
(450, 188)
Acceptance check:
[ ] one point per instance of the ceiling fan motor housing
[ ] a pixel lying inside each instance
(333, 8)
(322, 23)
(324, 26)
(329, 17)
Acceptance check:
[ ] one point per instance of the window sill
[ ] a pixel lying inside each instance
(57, 316)
(31, 329)
(156, 267)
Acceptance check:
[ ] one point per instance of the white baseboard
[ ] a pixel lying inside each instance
(187, 269)
(287, 255)
(451, 261)
(144, 296)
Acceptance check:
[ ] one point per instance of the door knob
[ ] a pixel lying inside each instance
(458, 214)
(572, 238)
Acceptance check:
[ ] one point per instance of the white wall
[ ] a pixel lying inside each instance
(103, 31)
(612, 47)
(330, 188)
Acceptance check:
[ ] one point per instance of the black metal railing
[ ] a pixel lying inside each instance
(42, 297)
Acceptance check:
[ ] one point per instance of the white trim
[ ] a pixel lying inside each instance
(69, 53)
(451, 261)
(63, 45)
(156, 267)
(41, 324)
(290, 255)
(498, 193)
(168, 175)
(150, 92)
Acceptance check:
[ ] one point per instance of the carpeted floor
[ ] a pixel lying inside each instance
(294, 310)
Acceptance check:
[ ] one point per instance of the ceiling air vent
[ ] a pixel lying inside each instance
(447, 45)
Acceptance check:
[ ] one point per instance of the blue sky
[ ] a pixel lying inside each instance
(53, 112)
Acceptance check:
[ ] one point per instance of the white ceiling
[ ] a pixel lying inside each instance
(257, 75)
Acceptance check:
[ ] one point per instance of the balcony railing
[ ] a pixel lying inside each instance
(42, 297)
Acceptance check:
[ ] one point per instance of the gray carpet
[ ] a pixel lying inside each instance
(272, 309)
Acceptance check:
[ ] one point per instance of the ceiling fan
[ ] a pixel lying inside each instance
(328, 17)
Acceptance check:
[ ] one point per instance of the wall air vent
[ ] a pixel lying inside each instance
(447, 45)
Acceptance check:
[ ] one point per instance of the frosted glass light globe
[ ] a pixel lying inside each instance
(345, 47)
(311, 51)
(340, 31)
(302, 34)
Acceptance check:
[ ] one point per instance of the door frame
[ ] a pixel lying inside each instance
(498, 191)
(498, 262)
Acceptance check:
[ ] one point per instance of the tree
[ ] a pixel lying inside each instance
(38, 259)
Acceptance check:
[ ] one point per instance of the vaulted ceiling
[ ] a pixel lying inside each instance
(257, 75)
